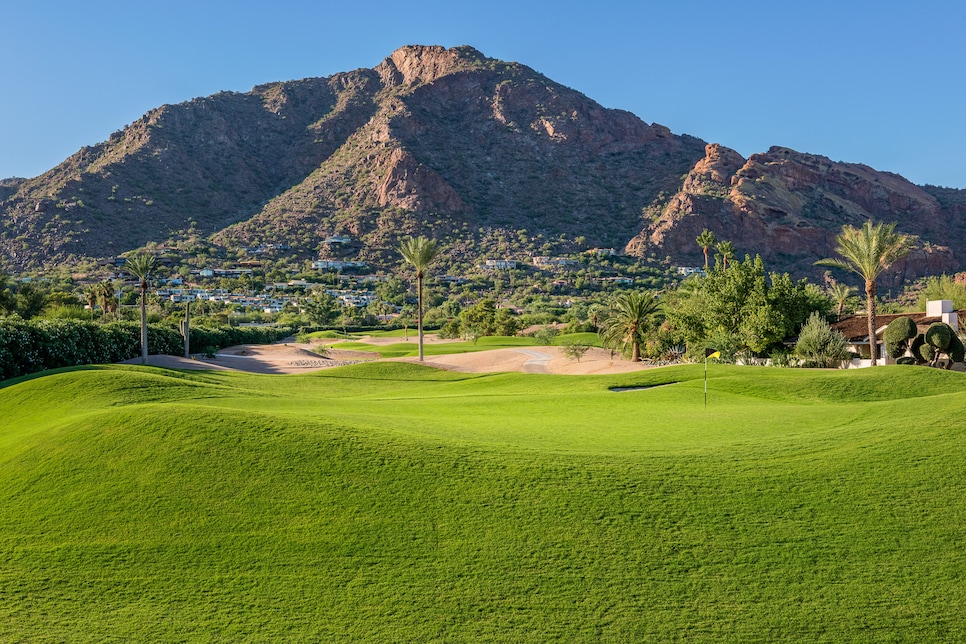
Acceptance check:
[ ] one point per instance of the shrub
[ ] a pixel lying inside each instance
(36, 345)
(938, 335)
(451, 330)
(898, 334)
(957, 351)
(916, 348)
(574, 350)
(546, 335)
(820, 346)
(906, 360)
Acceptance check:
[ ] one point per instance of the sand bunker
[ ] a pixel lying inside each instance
(298, 358)
(265, 359)
(532, 360)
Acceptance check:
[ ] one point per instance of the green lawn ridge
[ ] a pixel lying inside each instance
(393, 502)
(411, 348)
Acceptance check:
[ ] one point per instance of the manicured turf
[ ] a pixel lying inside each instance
(486, 343)
(390, 502)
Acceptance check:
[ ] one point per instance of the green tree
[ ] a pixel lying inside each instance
(8, 302)
(420, 253)
(321, 309)
(868, 251)
(391, 290)
(628, 321)
(943, 287)
(706, 240)
(506, 322)
(742, 307)
(29, 301)
(142, 267)
(479, 320)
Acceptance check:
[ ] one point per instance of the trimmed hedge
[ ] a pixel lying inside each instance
(28, 346)
(898, 334)
(938, 335)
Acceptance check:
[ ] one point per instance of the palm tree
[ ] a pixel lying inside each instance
(840, 294)
(706, 240)
(867, 252)
(727, 250)
(107, 297)
(141, 267)
(629, 318)
(420, 252)
(91, 296)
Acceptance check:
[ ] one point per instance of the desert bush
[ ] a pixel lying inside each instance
(820, 346)
(546, 335)
(574, 350)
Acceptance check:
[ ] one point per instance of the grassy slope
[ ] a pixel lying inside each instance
(396, 503)
(486, 343)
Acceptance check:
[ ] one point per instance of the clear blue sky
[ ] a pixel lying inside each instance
(874, 82)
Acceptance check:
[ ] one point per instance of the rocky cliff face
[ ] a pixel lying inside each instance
(482, 154)
(789, 207)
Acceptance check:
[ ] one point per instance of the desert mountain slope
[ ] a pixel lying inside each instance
(486, 155)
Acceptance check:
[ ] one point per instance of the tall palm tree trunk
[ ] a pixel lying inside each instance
(144, 323)
(870, 306)
(419, 311)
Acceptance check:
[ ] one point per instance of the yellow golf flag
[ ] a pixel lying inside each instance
(712, 353)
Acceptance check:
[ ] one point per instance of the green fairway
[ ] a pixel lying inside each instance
(392, 502)
(411, 348)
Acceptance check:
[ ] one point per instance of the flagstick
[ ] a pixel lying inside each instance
(706, 382)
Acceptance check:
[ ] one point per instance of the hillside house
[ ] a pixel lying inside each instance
(687, 271)
(337, 265)
(500, 264)
(554, 262)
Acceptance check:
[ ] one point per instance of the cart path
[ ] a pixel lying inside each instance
(538, 361)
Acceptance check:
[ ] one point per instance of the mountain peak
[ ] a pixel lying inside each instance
(416, 64)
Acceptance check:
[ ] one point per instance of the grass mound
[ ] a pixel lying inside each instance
(391, 502)
(486, 343)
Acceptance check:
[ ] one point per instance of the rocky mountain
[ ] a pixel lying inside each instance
(789, 207)
(488, 156)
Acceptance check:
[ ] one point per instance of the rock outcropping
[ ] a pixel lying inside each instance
(789, 207)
